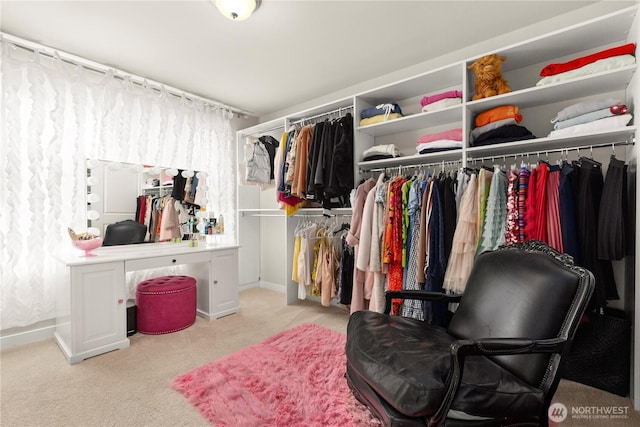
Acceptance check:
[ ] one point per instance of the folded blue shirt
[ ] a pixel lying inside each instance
(381, 109)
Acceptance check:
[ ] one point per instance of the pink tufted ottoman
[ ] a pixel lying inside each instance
(166, 304)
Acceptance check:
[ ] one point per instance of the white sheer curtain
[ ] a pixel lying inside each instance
(54, 117)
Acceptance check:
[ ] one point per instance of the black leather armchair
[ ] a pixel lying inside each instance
(124, 233)
(498, 361)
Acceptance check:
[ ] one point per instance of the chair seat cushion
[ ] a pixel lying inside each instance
(412, 376)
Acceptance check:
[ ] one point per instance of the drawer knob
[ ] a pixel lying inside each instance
(173, 260)
(215, 282)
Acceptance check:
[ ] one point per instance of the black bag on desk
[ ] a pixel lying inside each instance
(601, 352)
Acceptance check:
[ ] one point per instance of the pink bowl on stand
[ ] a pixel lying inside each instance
(87, 245)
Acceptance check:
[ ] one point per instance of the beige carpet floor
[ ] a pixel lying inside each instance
(131, 387)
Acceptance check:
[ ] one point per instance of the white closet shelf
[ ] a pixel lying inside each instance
(440, 156)
(157, 187)
(440, 79)
(415, 121)
(595, 84)
(612, 29)
(540, 145)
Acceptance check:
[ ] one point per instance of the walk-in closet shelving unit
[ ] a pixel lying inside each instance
(265, 233)
(538, 105)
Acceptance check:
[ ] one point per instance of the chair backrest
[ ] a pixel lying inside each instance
(124, 233)
(527, 290)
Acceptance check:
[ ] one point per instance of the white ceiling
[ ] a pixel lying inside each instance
(287, 53)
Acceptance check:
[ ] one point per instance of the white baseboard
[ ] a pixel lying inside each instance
(249, 285)
(26, 337)
(273, 286)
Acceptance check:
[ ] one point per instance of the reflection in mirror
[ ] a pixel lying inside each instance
(129, 203)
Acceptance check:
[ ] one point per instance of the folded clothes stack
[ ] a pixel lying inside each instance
(440, 141)
(497, 125)
(590, 116)
(441, 100)
(378, 152)
(380, 113)
(603, 60)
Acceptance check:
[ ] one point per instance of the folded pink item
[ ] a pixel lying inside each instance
(437, 97)
(451, 134)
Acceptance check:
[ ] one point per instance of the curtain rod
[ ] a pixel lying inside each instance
(556, 150)
(328, 113)
(103, 69)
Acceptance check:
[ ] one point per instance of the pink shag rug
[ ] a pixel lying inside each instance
(294, 378)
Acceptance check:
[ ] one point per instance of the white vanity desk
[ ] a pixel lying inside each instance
(91, 299)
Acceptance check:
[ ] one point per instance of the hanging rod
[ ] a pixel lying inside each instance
(321, 215)
(326, 215)
(282, 215)
(328, 113)
(69, 58)
(555, 150)
(262, 132)
(442, 163)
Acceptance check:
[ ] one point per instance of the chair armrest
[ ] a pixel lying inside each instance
(506, 346)
(421, 295)
(487, 347)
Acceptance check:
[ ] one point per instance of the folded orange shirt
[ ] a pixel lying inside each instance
(552, 69)
(498, 113)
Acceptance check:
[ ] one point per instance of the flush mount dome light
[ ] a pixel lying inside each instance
(237, 10)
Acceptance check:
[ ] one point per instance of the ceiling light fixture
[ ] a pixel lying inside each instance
(237, 10)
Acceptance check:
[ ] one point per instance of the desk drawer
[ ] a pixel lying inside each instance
(166, 261)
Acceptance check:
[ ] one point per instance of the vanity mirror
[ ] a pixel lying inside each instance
(170, 202)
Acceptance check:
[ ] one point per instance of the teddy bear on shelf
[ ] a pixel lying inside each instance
(488, 72)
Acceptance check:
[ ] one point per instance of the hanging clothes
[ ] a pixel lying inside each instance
(314, 164)
(494, 228)
(363, 250)
(169, 224)
(484, 186)
(376, 266)
(464, 241)
(393, 240)
(179, 183)
(554, 232)
(345, 273)
(299, 179)
(512, 232)
(523, 190)
(320, 262)
(353, 239)
(257, 163)
(612, 211)
(411, 307)
(448, 196)
(530, 219)
(542, 174)
(405, 226)
(590, 184)
(567, 190)
(435, 312)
